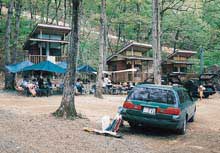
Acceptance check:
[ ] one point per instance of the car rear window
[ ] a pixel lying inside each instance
(153, 95)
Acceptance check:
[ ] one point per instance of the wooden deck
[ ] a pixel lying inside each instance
(39, 58)
(130, 77)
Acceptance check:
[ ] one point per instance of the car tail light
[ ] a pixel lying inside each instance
(169, 110)
(130, 105)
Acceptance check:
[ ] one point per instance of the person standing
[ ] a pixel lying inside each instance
(200, 91)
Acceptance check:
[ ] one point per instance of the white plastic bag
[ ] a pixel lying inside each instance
(105, 122)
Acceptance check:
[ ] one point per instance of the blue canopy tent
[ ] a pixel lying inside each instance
(83, 68)
(62, 64)
(14, 68)
(45, 66)
(86, 69)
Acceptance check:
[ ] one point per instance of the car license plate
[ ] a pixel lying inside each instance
(148, 110)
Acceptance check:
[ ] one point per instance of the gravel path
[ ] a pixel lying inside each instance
(26, 126)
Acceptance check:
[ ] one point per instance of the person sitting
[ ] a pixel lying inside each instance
(42, 89)
(49, 86)
(32, 89)
(79, 86)
(40, 82)
(18, 88)
(24, 85)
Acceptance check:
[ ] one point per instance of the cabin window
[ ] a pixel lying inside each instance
(55, 37)
(175, 69)
(128, 65)
(183, 69)
(114, 67)
(44, 36)
(55, 52)
(55, 45)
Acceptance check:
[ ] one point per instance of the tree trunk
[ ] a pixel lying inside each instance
(57, 3)
(176, 40)
(9, 77)
(18, 6)
(67, 106)
(105, 48)
(119, 36)
(102, 49)
(48, 9)
(0, 8)
(31, 9)
(138, 25)
(156, 42)
(65, 12)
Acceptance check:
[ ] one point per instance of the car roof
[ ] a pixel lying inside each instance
(167, 87)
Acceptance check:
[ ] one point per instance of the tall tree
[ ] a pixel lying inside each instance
(18, 5)
(0, 7)
(105, 37)
(65, 13)
(156, 41)
(48, 9)
(67, 106)
(102, 49)
(57, 6)
(9, 77)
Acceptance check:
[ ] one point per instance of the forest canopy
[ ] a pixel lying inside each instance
(185, 24)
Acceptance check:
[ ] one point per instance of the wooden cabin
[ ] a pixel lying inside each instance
(47, 42)
(179, 62)
(132, 63)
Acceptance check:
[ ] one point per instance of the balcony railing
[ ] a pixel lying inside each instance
(39, 58)
(129, 77)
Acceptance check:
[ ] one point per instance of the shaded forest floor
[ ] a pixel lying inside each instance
(26, 126)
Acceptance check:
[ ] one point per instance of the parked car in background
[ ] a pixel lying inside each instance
(205, 80)
(159, 106)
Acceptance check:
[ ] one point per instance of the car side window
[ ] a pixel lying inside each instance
(181, 96)
(170, 97)
(186, 96)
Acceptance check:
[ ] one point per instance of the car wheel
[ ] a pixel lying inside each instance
(206, 95)
(133, 124)
(182, 130)
(192, 119)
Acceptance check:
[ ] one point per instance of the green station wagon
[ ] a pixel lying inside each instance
(160, 106)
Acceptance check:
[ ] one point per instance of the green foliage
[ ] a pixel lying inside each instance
(183, 26)
(212, 58)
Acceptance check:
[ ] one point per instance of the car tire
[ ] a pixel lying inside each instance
(206, 95)
(192, 119)
(182, 130)
(133, 124)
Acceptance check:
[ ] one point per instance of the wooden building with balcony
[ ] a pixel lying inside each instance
(47, 42)
(179, 62)
(132, 63)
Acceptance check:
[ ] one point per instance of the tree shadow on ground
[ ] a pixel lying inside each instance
(148, 131)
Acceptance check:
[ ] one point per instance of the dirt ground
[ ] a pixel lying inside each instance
(26, 126)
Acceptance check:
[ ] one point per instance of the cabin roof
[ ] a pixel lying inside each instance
(50, 29)
(184, 53)
(136, 46)
(167, 62)
(132, 57)
(47, 29)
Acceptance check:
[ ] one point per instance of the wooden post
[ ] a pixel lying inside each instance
(47, 50)
(40, 51)
(201, 61)
(132, 65)
(132, 51)
(41, 37)
(156, 42)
